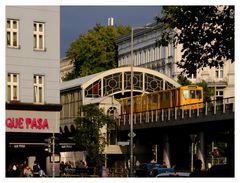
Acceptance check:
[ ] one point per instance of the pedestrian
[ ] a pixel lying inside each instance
(198, 169)
(42, 173)
(153, 161)
(138, 163)
(16, 172)
(27, 171)
(104, 171)
(62, 168)
(13, 171)
(164, 164)
(36, 169)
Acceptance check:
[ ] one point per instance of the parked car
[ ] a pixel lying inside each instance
(145, 169)
(160, 170)
(175, 174)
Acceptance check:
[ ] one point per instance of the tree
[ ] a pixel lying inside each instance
(95, 51)
(206, 34)
(207, 92)
(89, 133)
(182, 80)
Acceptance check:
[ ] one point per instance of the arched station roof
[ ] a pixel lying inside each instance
(100, 87)
(118, 80)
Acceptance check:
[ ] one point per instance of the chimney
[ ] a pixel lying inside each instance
(110, 21)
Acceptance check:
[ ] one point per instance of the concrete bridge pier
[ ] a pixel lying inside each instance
(200, 144)
(166, 150)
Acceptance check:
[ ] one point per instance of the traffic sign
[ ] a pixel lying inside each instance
(123, 143)
(133, 134)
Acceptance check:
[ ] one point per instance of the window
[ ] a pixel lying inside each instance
(185, 94)
(38, 36)
(219, 94)
(38, 89)
(154, 98)
(13, 87)
(12, 33)
(193, 74)
(219, 72)
(198, 94)
(192, 93)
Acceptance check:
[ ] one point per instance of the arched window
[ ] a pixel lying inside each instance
(112, 111)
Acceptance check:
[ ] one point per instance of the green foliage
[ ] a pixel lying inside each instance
(207, 92)
(95, 51)
(182, 80)
(89, 134)
(221, 147)
(69, 76)
(206, 34)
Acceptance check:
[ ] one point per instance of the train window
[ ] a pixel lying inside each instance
(185, 94)
(163, 96)
(137, 101)
(154, 98)
(144, 100)
(198, 94)
(192, 93)
(167, 96)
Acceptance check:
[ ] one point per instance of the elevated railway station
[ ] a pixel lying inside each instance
(169, 129)
(105, 87)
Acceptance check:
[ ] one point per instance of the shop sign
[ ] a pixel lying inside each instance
(66, 146)
(37, 123)
(19, 146)
(32, 121)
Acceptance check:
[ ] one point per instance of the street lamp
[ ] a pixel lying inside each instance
(131, 111)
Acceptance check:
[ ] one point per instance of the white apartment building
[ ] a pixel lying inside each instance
(32, 81)
(163, 59)
(66, 66)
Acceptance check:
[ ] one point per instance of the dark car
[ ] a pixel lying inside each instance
(175, 174)
(145, 169)
(161, 170)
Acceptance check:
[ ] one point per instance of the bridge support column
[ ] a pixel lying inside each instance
(166, 151)
(201, 149)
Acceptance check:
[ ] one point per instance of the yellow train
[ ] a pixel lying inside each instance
(190, 96)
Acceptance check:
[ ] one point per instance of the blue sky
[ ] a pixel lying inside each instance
(76, 20)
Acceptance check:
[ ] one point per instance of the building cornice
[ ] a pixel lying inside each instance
(33, 107)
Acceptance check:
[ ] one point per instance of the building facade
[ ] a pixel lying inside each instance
(164, 59)
(66, 66)
(32, 81)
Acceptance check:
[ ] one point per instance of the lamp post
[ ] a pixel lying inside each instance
(131, 111)
(131, 98)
